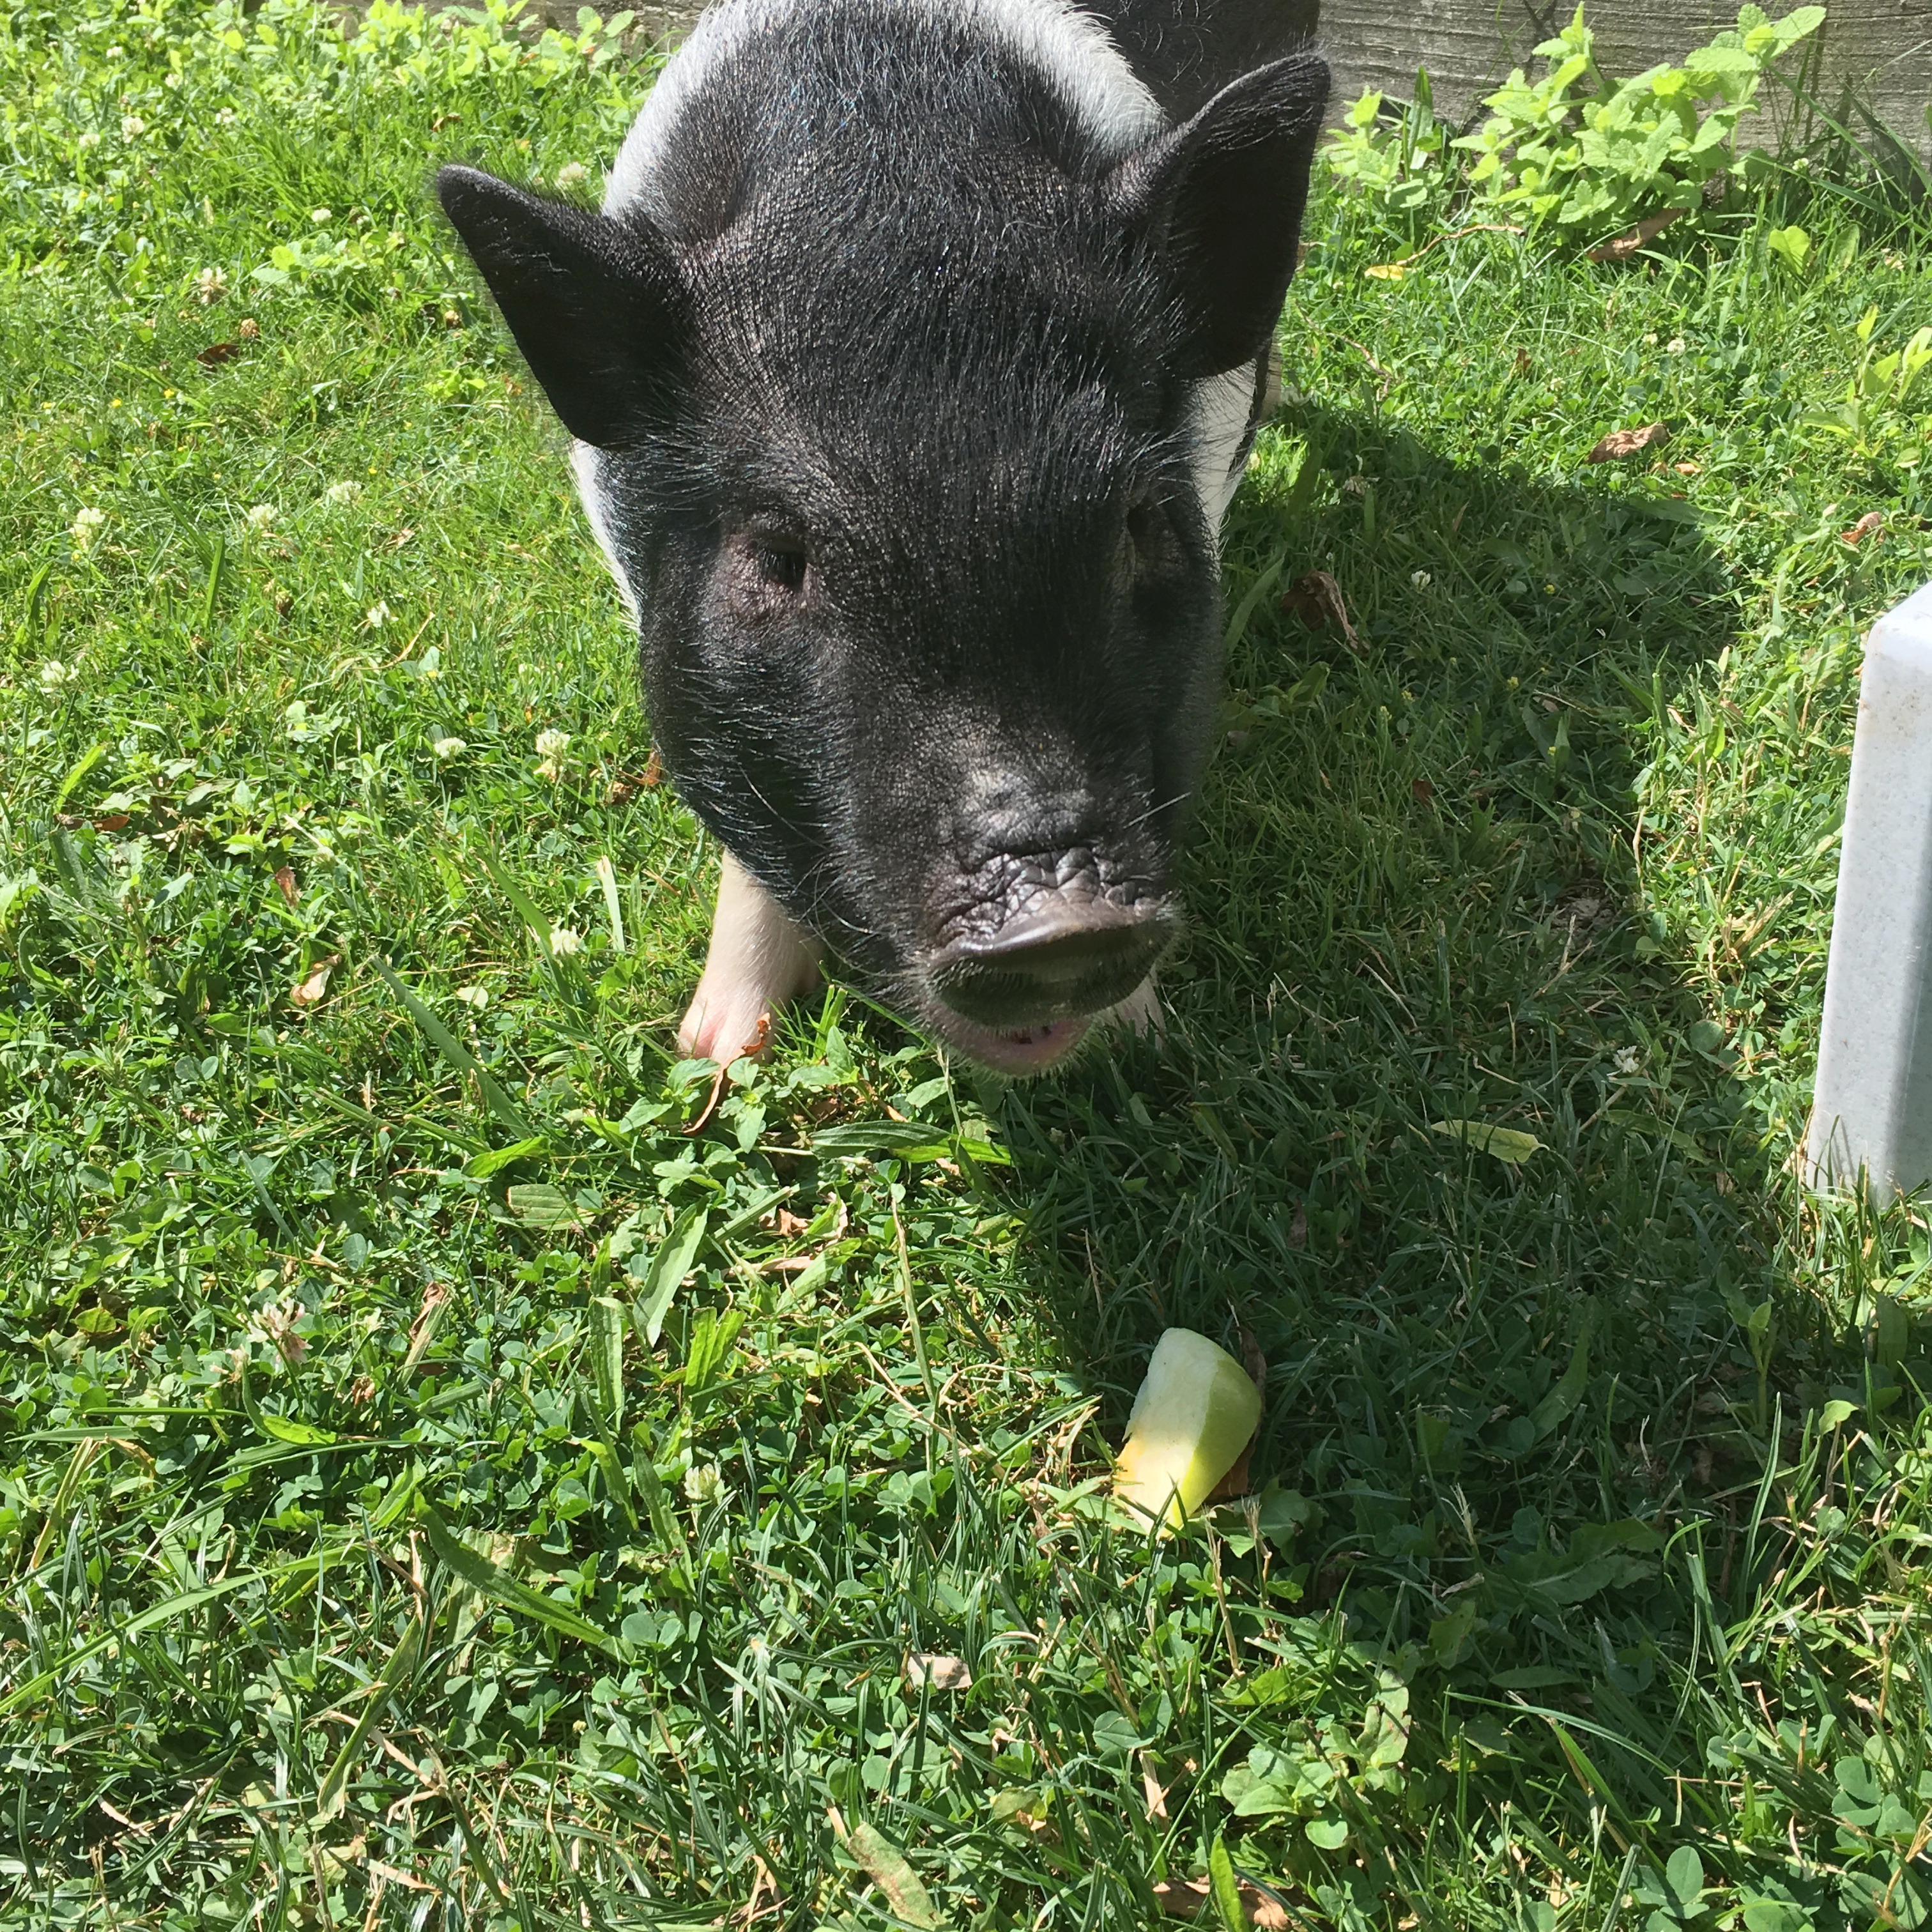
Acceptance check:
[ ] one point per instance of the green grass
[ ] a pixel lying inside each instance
(373, 1558)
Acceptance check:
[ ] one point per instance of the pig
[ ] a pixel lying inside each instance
(909, 366)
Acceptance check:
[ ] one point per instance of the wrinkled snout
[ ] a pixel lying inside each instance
(1067, 957)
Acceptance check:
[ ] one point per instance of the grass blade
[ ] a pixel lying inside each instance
(458, 1055)
(497, 1584)
(402, 1668)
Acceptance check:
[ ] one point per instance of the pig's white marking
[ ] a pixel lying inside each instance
(759, 961)
(587, 462)
(1070, 47)
(1222, 406)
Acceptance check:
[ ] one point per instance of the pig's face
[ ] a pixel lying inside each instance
(914, 525)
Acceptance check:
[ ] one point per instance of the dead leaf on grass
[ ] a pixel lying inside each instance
(285, 883)
(924, 1667)
(1627, 243)
(885, 1864)
(1871, 524)
(1189, 1899)
(310, 992)
(422, 1329)
(1316, 597)
(1422, 791)
(217, 353)
(1622, 442)
(1510, 1145)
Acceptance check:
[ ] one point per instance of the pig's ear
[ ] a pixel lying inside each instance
(595, 304)
(1219, 203)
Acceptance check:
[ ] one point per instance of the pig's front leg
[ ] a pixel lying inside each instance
(759, 961)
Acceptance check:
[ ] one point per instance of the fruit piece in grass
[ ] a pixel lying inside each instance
(1192, 1419)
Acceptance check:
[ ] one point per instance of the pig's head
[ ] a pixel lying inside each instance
(896, 447)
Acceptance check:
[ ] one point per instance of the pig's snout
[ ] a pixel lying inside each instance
(1064, 960)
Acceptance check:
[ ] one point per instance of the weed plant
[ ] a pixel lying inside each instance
(461, 1465)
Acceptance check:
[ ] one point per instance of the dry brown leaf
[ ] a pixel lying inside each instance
(1688, 469)
(1627, 243)
(310, 992)
(1190, 1900)
(1422, 791)
(924, 1667)
(1622, 442)
(1316, 599)
(1871, 524)
(285, 883)
(216, 353)
(1523, 364)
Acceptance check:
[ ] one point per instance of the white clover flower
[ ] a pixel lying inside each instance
(1675, 347)
(87, 524)
(563, 942)
(553, 744)
(444, 749)
(210, 285)
(1627, 1059)
(477, 997)
(224, 117)
(1418, 579)
(90, 138)
(54, 674)
(377, 615)
(346, 491)
(320, 215)
(261, 516)
(274, 1325)
(703, 1484)
(571, 173)
(171, 81)
(132, 127)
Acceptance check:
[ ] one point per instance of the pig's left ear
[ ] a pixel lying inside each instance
(595, 305)
(1219, 201)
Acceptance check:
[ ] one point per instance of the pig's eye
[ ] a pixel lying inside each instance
(780, 563)
(766, 572)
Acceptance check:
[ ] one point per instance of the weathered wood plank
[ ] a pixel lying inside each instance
(1879, 49)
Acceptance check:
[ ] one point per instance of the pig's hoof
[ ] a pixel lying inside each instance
(1140, 1012)
(760, 961)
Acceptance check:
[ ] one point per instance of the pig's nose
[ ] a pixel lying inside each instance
(1062, 960)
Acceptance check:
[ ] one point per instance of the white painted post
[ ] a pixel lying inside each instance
(1871, 1108)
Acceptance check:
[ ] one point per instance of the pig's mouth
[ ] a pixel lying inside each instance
(1020, 999)
(1027, 1050)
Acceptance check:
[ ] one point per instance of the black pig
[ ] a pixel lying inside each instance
(911, 364)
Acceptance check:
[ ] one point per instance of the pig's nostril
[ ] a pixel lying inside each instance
(1062, 962)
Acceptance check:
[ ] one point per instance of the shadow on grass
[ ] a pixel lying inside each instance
(1497, 1387)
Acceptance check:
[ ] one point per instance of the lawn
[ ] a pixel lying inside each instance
(461, 1465)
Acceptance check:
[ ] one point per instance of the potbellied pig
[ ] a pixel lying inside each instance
(910, 363)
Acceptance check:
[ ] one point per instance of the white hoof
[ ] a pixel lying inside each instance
(760, 961)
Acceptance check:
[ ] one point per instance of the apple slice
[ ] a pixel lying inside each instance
(1194, 1415)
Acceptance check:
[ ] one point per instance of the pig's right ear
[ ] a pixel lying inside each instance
(1218, 204)
(595, 305)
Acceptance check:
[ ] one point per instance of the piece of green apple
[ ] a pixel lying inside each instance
(1194, 1415)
